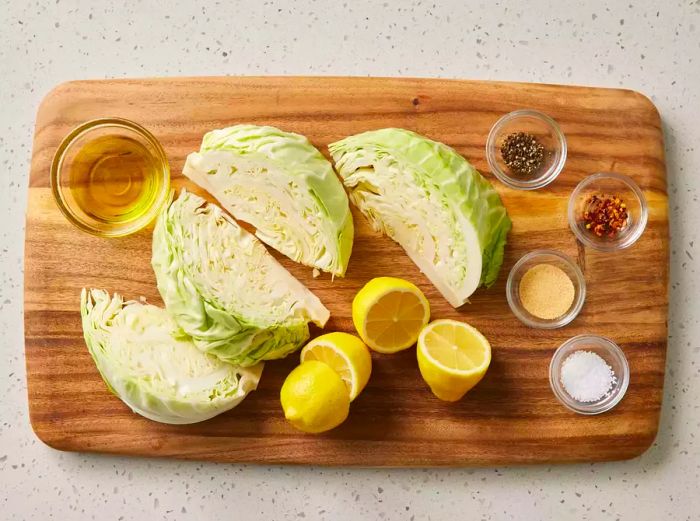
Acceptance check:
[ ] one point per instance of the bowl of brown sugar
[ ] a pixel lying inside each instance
(546, 289)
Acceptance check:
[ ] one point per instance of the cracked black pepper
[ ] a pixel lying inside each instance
(522, 153)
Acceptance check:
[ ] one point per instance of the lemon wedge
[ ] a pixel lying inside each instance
(389, 314)
(452, 357)
(314, 398)
(346, 354)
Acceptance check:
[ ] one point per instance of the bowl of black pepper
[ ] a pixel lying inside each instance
(526, 149)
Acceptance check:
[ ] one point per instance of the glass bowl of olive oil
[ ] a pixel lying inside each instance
(110, 177)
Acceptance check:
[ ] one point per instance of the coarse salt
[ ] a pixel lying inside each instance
(586, 377)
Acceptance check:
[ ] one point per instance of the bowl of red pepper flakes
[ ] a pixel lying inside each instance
(607, 211)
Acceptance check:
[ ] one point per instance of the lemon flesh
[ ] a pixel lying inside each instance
(389, 314)
(452, 357)
(314, 398)
(346, 354)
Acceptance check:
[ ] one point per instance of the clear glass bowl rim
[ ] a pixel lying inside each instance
(540, 181)
(549, 324)
(590, 408)
(632, 236)
(77, 133)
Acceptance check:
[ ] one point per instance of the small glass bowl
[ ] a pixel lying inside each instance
(559, 260)
(608, 351)
(608, 184)
(546, 130)
(67, 156)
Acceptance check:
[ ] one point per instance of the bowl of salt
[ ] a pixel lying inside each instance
(589, 374)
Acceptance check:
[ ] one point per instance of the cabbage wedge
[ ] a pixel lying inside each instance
(145, 360)
(430, 200)
(224, 289)
(281, 184)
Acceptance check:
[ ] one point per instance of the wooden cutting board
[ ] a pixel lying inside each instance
(510, 417)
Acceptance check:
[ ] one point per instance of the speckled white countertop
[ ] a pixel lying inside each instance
(646, 45)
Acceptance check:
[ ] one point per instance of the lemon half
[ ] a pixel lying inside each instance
(389, 314)
(452, 357)
(346, 354)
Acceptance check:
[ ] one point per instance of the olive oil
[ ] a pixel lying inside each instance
(115, 179)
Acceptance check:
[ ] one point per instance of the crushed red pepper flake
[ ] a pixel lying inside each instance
(605, 216)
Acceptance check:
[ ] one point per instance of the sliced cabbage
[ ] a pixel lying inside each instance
(278, 182)
(224, 289)
(146, 361)
(430, 200)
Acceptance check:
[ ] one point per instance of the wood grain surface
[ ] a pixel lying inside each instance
(510, 417)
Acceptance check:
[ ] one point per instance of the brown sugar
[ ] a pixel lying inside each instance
(546, 291)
